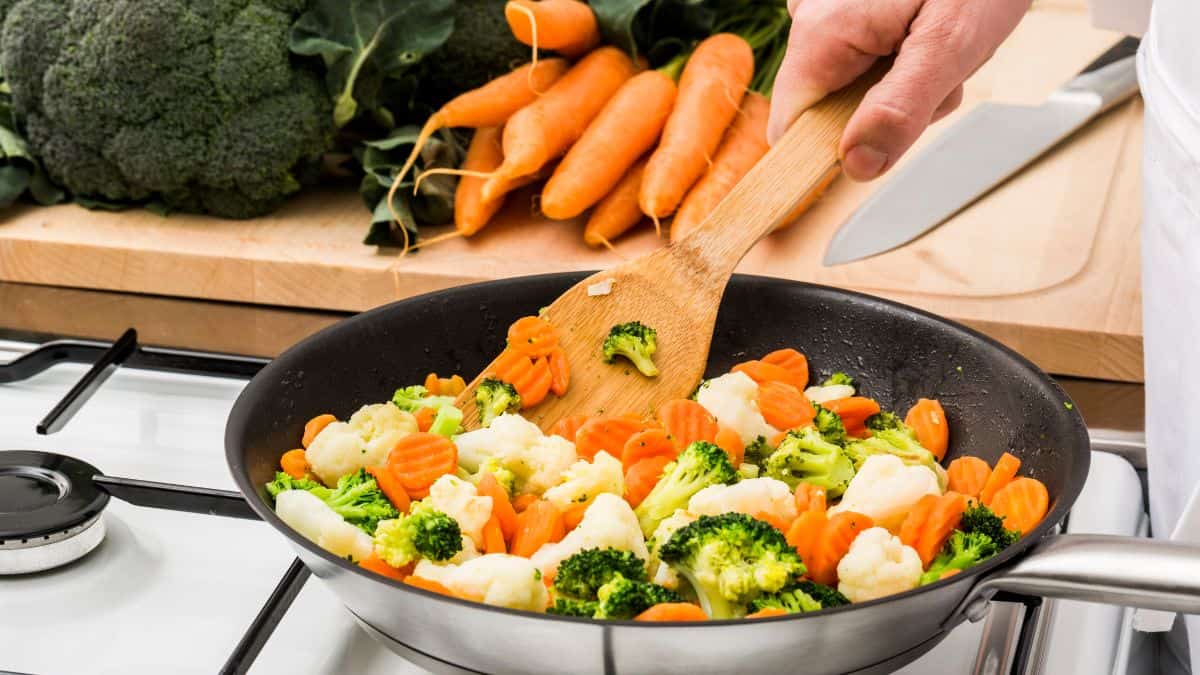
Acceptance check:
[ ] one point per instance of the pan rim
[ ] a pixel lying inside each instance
(1062, 503)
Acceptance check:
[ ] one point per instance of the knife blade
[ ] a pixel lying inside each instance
(989, 145)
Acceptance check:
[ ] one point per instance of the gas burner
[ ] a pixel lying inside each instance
(50, 511)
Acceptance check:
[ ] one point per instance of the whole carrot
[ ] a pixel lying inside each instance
(471, 211)
(626, 128)
(711, 89)
(566, 26)
(618, 210)
(744, 143)
(546, 128)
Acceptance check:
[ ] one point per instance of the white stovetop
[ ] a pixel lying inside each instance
(169, 592)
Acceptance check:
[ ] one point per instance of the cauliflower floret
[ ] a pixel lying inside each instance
(345, 447)
(608, 523)
(886, 488)
(660, 572)
(751, 497)
(877, 564)
(832, 392)
(584, 480)
(305, 513)
(733, 400)
(460, 500)
(515, 444)
(495, 579)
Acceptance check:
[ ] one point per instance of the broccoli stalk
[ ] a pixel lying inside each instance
(960, 552)
(424, 532)
(701, 464)
(447, 422)
(980, 519)
(636, 342)
(494, 398)
(357, 499)
(805, 457)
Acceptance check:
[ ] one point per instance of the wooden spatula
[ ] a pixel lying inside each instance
(676, 290)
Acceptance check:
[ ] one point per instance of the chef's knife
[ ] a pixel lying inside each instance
(987, 146)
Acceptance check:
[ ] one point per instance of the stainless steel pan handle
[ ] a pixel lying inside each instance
(1129, 571)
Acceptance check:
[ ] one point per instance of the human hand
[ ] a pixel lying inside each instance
(938, 44)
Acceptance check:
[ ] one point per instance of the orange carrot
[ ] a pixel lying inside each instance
(566, 26)
(1002, 474)
(605, 433)
(761, 371)
(539, 524)
(648, 443)
(731, 442)
(421, 458)
(625, 129)
(573, 514)
(429, 585)
(744, 143)
(502, 508)
(546, 128)
(1022, 504)
(618, 210)
(641, 478)
(804, 532)
(532, 336)
(493, 536)
(568, 426)
(379, 566)
(686, 422)
(773, 520)
(766, 612)
(294, 463)
(673, 611)
(854, 411)
(910, 529)
(967, 475)
(424, 417)
(433, 385)
(710, 91)
(389, 483)
(560, 371)
(522, 502)
(928, 420)
(530, 377)
(314, 427)
(809, 497)
(471, 211)
(792, 361)
(833, 544)
(931, 522)
(784, 406)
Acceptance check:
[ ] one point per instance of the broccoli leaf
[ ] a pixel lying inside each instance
(20, 172)
(434, 202)
(616, 19)
(369, 40)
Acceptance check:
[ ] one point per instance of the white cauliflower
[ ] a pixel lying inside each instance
(660, 572)
(608, 523)
(345, 447)
(305, 513)
(885, 488)
(751, 497)
(584, 480)
(515, 444)
(460, 500)
(495, 579)
(468, 552)
(832, 392)
(733, 400)
(877, 564)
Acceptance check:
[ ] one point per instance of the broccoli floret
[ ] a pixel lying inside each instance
(582, 575)
(830, 425)
(636, 342)
(703, 385)
(757, 452)
(424, 532)
(411, 399)
(805, 457)
(792, 601)
(571, 607)
(701, 464)
(504, 476)
(197, 105)
(839, 378)
(730, 560)
(284, 481)
(899, 441)
(982, 520)
(494, 398)
(884, 420)
(960, 552)
(623, 598)
(481, 48)
(357, 499)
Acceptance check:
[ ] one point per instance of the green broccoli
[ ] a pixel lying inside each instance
(494, 398)
(703, 385)
(757, 452)
(884, 420)
(701, 464)
(730, 560)
(805, 457)
(424, 532)
(899, 441)
(447, 422)
(504, 476)
(194, 104)
(826, 595)
(412, 399)
(571, 607)
(481, 48)
(636, 342)
(748, 471)
(790, 600)
(960, 552)
(357, 499)
(582, 575)
(980, 519)
(839, 378)
(623, 598)
(830, 425)
(285, 481)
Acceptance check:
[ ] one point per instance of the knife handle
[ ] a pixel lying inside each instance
(1111, 77)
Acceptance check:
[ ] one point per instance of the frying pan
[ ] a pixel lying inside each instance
(995, 401)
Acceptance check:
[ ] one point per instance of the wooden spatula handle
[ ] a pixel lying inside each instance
(783, 179)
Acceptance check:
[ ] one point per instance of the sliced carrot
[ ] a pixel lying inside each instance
(773, 520)
(424, 417)
(809, 497)
(530, 377)
(389, 483)
(493, 536)
(804, 532)
(421, 458)
(784, 406)
(948, 573)
(1002, 474)
(379, 566)
(294, 463)
(833, 544)
(522, 502)
(532, 336)
(686, 422)
(766, 613)
(569, 426)
(648, 443)
(560, 371)
(792, 361)
(641, 478)
(314, 427)
(854, 412)
(429, 585)
(967, 475)
(761, 371)
(605, 433)
(731, 442)
(914, 522)
(931, 522)
(928, 420)
(573, 515)
(1022, 504)
(502, 508)
(539, 524)
(673, 611)
(433, 385)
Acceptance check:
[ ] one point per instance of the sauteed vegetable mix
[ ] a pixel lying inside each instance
(759, 496)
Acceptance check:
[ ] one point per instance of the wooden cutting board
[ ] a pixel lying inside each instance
(1047, 263)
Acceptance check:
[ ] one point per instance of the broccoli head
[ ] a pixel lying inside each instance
(701, 464)
(803, 596)
(585, 609)
(805, 457)
(196, 104)
(961, 551)
(730, 560)
(826, 595)
(424, 532)
(980, 519)
(494, 398)
(884, 421)
(582, 575)
(285, 481)
(830, 425)
(623, 598)
(504, 476)
(357, 499)
(636, 342)
(412, 399)
(757, 452)
(899, 441)
(839, 378)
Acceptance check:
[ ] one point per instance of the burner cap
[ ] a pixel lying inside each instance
(47, 500)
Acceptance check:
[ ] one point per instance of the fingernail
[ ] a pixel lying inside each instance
(863, 162)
